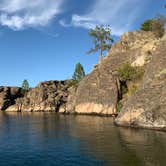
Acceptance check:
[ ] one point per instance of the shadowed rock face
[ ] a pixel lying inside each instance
(47, 96)
(147, 107)
(8, 96)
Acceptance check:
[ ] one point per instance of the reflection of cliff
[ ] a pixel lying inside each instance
(148, 145)
(79, 137)
(101, 139)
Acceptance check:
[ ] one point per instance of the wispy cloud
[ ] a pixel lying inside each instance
(120, 14)
(19, 14)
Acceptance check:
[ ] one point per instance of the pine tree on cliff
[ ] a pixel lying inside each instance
(79, 73)
(25, 86)
(102, 39)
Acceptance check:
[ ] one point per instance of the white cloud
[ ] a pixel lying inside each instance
(120, 14)
(64, 24)
(83, 21)
(19, 14)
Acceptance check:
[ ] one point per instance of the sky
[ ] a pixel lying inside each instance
(44, 39)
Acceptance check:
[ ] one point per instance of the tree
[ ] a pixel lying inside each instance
(25, 85)
(102, 39)
(79, 73)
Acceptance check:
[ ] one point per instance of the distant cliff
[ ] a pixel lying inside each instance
(138, 103)
(46, 97)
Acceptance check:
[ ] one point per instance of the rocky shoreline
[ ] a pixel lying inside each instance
(101, 92)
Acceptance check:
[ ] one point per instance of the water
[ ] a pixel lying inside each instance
(47, 139)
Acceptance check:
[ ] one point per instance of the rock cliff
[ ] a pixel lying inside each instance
(101, 92)
(97, 93)
(147, 107)
(8, 96)
(47, 96)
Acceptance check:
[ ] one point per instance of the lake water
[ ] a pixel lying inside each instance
(48, 139)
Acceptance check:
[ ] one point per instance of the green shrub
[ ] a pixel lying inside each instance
(147, 25)
(154, 25)
(129, 73)
(119, 107)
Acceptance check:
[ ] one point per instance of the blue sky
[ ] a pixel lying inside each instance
(44, 39)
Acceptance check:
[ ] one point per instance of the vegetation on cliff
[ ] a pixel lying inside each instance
(129, 73)
(117, 85)
(25, 86)
(78, 75)
(102, 39)
(155, 25)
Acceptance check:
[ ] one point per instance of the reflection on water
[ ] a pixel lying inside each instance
(50, 139)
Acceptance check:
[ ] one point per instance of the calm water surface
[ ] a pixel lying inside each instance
(47, 139)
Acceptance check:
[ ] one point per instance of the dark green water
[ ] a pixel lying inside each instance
(47, 139)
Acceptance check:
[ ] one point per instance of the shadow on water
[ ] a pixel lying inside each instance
(51, 139)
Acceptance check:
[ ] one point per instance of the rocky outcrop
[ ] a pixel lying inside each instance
(98, 92)
(47, 96)
(101, 91)
(147, 107)
(8, 96)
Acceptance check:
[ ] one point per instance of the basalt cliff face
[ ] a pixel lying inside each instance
(8, 95)
(147, 107)
(97, 93)
(47, 97)
(101, 91)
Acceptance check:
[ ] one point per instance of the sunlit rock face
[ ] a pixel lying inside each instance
(147, 107)
(8, 96)
(98, 92)
(47, 96)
